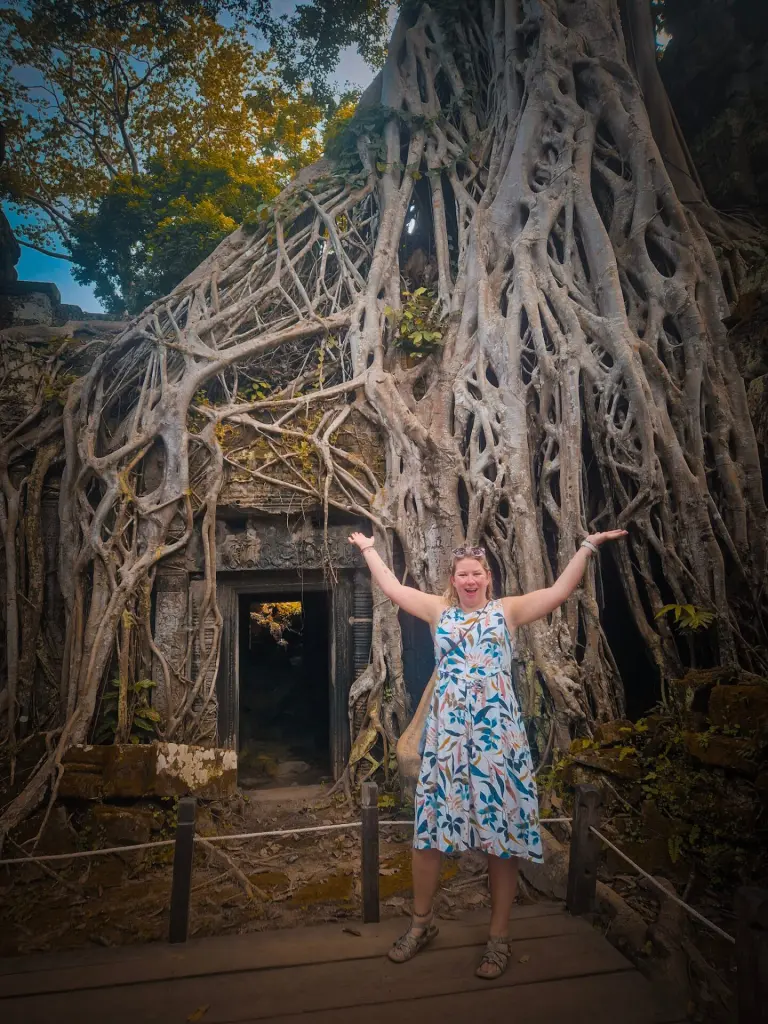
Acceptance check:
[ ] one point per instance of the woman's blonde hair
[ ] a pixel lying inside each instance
(477, 554)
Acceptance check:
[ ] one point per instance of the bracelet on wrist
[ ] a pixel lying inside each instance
(589, 546)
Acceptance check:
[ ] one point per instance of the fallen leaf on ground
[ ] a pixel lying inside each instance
(395, 901)
(352, 931)
(524, 959)
(475, 897)
(200, 1012)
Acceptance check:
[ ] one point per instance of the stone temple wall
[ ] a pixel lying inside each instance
(263, 539)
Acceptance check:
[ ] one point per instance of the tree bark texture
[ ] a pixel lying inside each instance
(583, 379)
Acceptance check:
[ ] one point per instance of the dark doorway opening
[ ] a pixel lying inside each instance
(284, 689)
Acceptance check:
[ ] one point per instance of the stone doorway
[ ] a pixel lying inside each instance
(328, 607)
(283, 671)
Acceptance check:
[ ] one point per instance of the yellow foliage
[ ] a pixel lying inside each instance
(277, 617)
(137, 96)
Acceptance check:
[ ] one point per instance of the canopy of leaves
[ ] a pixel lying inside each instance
(150, 230)
(134, 150)
(308, 41)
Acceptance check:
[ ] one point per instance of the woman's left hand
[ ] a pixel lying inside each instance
(602, 538)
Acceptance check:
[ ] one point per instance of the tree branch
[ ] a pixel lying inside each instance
(45, 252)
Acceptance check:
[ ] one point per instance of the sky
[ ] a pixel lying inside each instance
(34, 266)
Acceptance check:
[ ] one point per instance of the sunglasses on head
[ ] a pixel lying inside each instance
(468, 552)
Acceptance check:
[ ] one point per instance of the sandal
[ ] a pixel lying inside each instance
(409, 944)
(495, 959)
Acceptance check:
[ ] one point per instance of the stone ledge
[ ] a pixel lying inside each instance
(743, 706)
(132, 771)
(717, 751)
(15, 288)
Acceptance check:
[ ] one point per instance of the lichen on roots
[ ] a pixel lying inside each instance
(582, 380)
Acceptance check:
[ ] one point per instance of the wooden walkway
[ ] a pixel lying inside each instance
(561, 969)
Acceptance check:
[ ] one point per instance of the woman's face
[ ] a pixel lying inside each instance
(471, 582)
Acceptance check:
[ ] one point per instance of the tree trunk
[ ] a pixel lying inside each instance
(581, 379)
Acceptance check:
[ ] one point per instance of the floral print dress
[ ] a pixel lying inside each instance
(476, 787)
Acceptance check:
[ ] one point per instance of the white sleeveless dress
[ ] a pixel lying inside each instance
(476, 788)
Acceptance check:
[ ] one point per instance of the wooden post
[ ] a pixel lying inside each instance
(751, 905)
(182, 871)
(585, 851)
(370, 852)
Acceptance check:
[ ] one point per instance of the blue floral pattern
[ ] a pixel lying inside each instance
(476, 787)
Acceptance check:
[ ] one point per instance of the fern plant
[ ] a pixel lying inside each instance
(688, 618)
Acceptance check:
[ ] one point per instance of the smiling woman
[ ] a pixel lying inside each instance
(477, 787)
(583, 379)
(470, 583)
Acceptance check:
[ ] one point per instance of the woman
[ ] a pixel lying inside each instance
(476, 786)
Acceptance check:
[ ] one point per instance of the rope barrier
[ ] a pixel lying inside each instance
(675, 899)
(216, 839)
(279, 832)
(87, 853)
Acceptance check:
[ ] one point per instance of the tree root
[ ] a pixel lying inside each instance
(251, 890)
(582, 378)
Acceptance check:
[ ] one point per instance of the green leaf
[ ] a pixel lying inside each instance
(665, 609)
(151, 714)
(419, 291)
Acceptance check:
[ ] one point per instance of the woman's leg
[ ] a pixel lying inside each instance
(502, 876)
(426, 875)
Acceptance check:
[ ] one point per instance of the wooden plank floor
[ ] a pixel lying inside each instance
(561, 968)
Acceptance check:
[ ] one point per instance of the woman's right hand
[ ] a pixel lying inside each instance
(361, 541)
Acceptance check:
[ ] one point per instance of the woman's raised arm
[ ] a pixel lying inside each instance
(526, 608)
(424, 606)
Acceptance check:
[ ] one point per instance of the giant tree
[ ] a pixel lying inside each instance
(505, 270)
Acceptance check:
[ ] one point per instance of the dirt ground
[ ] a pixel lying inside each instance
(294, 879)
